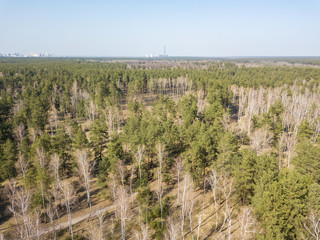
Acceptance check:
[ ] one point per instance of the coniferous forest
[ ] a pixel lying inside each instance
(159, 149)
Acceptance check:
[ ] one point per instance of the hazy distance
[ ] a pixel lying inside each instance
(135, 28)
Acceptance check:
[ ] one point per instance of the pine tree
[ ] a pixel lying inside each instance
(245, 175)
(307, 161)
(8, 157)
(80, 140)
(227, 152)
(281, 204)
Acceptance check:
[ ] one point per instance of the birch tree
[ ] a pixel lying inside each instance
(178, 168)
(54, 167)
(185, 196)
(19, 133)
(290, 141)
(312, 225)
(173, 232)
(51, 214)
(69, 194)
(96, 231)
(41, 156)
(214, 183)
(83, 162)
(160, 150)
(23, 164)
(122, 209)
(227, 211)
(246, 223)
(144, 233)
(139, 157)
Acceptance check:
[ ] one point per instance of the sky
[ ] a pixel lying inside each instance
(132, 28)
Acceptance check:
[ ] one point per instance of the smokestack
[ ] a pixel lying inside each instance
(164, 50)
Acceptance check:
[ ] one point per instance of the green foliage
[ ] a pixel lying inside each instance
(313, 199)
(30, 87)
(5, 125)
(226, 151)
(307, 161)
(265, 164)
(144, 196)
(188, 109)
(214, 112)
(245, 174)
(220, 93)
(80, 140)
(135, 108)
(281, 204)
(61, 144)
(114, 154)
(98, 137)
(304, 131)
(8, 157)
(273, 119)
(202, 150)
(197, 161)
(154, 218)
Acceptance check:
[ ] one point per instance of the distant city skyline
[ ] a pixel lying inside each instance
(135, 28)
(30, 54)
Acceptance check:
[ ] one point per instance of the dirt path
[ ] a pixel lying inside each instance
(81, 218)
(75, 220)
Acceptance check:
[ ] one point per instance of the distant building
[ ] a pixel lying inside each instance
(26, 55)
(164, 52)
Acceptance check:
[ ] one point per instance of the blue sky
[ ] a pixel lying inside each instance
(136, 27)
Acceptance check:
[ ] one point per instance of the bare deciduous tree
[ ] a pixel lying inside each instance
(69, 194)
(139, 157)
(246, 223)
(51, 214)
(178, 168)
(201, 100)
(41, 157)
(187, 188)
(53, 119)
(54, 167)
(173, 232)
(200, 219)
(121, 171)
(20, 200)
(214, 183)
(55, 164)
(226, 187)
(131, 182)
(96, 232)
(144, 233)
(85, 169)
(261, 139)
(290, 141)
(189, 207)
(225, 120)
(160, 149)
(33, 134)
(312, 225)
(281, 145)
(92, 110)
(11, 189)
(23, 164)
(19, 133)
(122, 208)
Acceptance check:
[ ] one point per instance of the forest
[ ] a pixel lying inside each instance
(163, 149)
